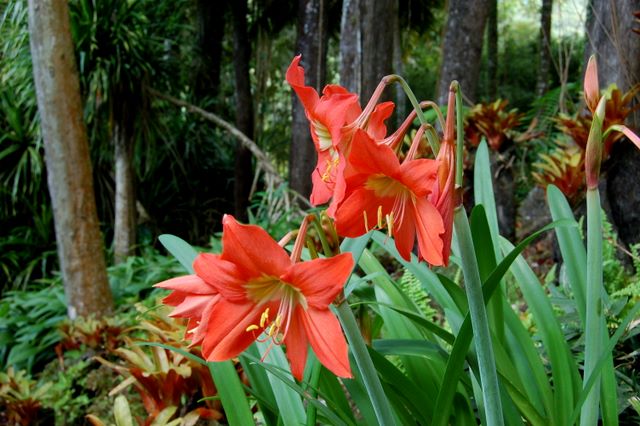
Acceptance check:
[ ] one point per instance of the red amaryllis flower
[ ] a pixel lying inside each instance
(382, 193)
(327, 115)
(333, 117)
(255, 289)
(443, 195)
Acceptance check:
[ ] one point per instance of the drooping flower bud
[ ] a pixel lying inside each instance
(593, 155)
(591, 86)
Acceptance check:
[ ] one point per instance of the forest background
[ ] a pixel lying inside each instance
(178, 97)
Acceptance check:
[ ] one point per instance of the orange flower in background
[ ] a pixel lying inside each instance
(382, 193)
(254, 290)
(327, 115)
(444, 196)
(333, 118)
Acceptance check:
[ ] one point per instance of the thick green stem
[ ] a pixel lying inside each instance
(593, 328)
(479, 321)
(415, 104)
(369, 375)
(326, 248)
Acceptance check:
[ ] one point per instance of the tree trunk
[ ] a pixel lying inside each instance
(617, 48)
(350, 68)
(492, 49)
(398, 68)
(244, 108)
(462, 47)
(80, 245)
(210, 26)
(377, 42)
(124, 230)
(544, 47)
(312, 44)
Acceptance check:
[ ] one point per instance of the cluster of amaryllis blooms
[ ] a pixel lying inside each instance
(254, 290)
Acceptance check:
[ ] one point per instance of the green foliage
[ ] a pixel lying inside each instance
(68, 396)
(28, 331)
(412, 288)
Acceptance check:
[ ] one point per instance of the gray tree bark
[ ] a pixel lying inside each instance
(462, 47)
(350, 67)
(124, 229)
(210, 26)
(611, 38)
(80, 245)
(312, 44)
(377, 42)
(544, 47)
(492, 49)
(367, 51)
(244, 108)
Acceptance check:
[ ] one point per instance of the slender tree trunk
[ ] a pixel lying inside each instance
(377, 42)
(124, 232)
(492, 49)
(244, 108)
(544, 47)
(350, 68)
(210, 26)
(80, 245)
(312, 44)
(398, 68)
(462, 47)
(611, 38)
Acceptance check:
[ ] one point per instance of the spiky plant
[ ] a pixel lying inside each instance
(562, 167)
(493, 121)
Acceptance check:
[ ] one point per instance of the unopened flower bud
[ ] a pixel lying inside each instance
(593, 155)
(591, 86)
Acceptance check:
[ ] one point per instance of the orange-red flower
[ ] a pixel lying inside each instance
(255, 290)
(444, 196)
(383, 193)
(333, 118)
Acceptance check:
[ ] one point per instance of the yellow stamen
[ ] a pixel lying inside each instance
(379, 217)
(264, 318)
(389, 220)
(252, 327)
(366, 221)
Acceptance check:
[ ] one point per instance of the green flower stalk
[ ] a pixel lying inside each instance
(593, 329)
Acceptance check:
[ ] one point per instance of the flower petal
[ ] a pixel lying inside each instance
(326, 338)
(297, 345)
(320, 280)
(226, 334)
(193, 306)
(370, 158)
(591, 86)
(429, 227)
(187, 284)
(252, 250)
(376, 127)
(419, 175)
(404, 234)
(295, 77)
(332, 111)
(225, 276)
(349, 216)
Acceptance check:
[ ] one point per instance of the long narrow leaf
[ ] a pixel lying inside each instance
(287, 399)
